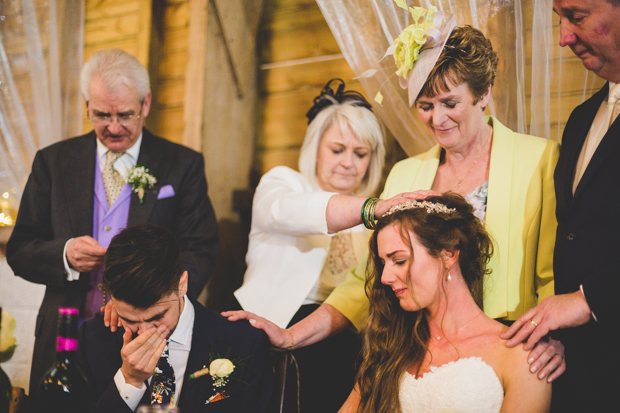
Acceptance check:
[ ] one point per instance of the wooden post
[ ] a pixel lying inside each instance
(195, 75)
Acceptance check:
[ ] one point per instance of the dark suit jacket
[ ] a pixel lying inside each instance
(58, 203)
(99, 357)
(587, 253)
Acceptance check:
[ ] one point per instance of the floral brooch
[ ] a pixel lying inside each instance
(140, 179)
(222, 370)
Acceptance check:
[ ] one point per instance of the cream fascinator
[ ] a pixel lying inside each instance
(418, 47)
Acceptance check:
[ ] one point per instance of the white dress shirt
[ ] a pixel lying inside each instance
(179, 344)
(123, 165)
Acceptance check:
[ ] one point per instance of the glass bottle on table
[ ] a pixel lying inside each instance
(5, 384)
(64, 388)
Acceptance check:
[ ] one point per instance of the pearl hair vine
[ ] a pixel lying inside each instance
(431, 207)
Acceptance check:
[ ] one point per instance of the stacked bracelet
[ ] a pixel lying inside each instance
(292, 341)
(368, 213)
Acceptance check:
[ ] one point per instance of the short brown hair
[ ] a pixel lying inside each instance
(142, 265)
(467, 57)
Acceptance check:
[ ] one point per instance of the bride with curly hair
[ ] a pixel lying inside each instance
(428, 346)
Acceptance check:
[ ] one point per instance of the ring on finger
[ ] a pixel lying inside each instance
(534, 323)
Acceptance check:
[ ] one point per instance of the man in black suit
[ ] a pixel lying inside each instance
(76, 199)
(587, 249)
(145, 279)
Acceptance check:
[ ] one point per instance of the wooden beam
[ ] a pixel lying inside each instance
(237, 36)
(195, 75)
(144, 34)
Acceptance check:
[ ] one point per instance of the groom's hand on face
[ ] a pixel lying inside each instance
(140, 355)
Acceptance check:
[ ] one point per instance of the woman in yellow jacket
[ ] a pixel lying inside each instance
(506, 176)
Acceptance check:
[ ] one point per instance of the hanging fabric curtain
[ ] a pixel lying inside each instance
(537, 84)
(41, 45)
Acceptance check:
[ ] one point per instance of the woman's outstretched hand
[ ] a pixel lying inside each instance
(280, 338)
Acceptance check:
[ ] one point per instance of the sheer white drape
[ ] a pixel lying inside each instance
(537, 84)
(41, 44)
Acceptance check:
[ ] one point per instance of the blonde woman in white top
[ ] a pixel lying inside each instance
(296, 254)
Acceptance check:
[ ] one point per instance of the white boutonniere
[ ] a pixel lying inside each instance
(140, 179)
(219, 369)
(222, 370)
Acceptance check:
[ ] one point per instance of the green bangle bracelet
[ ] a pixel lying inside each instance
(368, 213)
(371, 214)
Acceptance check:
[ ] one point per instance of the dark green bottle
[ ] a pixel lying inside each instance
(63, 388)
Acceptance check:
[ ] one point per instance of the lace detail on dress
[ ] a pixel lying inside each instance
(466, 385)
(340, 258)
(478, 199)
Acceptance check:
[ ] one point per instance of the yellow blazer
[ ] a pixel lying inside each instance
(520, 217)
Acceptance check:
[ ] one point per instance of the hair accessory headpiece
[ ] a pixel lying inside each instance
(431, 207)
(420, 43)
(417, 48)
(328, 97)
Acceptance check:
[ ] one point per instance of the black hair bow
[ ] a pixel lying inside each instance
(323, 100)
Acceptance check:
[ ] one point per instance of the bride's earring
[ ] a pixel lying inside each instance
(449, 276)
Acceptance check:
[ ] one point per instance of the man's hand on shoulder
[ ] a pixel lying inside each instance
(553, 313)
(140, 355)
(85, 254)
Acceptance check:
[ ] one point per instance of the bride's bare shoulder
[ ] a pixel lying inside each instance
(524, 391)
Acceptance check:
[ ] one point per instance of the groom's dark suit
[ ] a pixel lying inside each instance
(100, 358)
(587, 253)
(58, 203)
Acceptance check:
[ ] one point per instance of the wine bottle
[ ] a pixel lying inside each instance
(64, 388)
(5, 384)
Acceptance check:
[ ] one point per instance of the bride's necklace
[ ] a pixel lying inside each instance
(460, 180)
(462, 327)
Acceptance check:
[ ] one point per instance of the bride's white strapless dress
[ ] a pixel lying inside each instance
(466, 385)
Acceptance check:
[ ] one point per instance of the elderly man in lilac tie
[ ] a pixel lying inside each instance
(85, 190)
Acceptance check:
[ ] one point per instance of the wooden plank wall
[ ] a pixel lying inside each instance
(295, 41)
(298, 56)
(156, 32)
(169, 58)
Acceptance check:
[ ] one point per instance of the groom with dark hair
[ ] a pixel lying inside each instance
(167, 338)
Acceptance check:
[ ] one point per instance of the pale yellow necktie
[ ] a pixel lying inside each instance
(112, 179)
(598, 130)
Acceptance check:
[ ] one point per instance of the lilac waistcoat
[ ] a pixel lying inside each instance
(107, 222)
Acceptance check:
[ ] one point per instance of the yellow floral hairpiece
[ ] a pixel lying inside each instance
(417, 48)
(408, 44)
